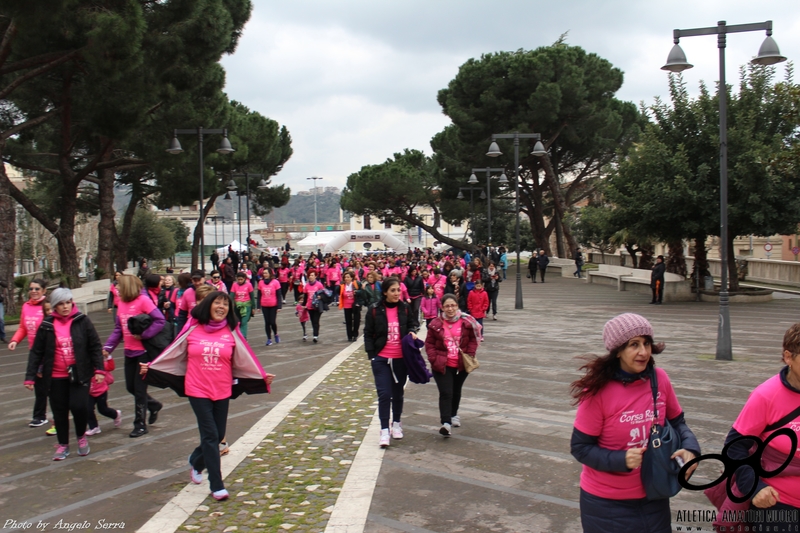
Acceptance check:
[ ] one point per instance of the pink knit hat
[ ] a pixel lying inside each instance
(623, 328)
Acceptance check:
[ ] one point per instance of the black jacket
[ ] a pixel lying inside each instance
(415, 286)
(85, 342)
(543, 261)
(376, 326)
(155, 344)
(657, 274)
(449, 288)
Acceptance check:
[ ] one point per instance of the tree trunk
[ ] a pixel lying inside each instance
(676, 261)
(559, 238)
(65, 237)
(646, 261)
(411, 219)
(8, 228)
(122, 236)
(106, 237)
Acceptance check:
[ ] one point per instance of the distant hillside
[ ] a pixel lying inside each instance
(300, 209)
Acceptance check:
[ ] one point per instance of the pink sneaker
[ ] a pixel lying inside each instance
(385, 439)
(62, 451)
(83, 446)
(118, 420)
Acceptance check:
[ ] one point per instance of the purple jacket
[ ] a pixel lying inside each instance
(412, 356)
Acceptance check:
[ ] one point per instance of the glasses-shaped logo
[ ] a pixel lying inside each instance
(753, 461)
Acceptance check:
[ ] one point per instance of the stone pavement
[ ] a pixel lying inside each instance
(507, 469)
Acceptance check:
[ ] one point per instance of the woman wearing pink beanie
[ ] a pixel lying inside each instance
(612, 425)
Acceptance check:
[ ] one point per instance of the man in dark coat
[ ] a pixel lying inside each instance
(657, 280)
(215, 260)
(543, 261)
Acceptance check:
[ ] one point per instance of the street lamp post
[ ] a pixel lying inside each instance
(538, 150)
(224, 148)
(315, 201)
(473, 180)
(768, 54)
(471, 205)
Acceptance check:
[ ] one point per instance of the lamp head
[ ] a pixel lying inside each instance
(538, 149)
(483, 195)
(503, 179)
(494, 150)
(225, 146)
(676, 60)
(263, 184)
(460, 195)
(174, 145)
(227, 196)
(768, 54)
(231, 186)
(473, 180)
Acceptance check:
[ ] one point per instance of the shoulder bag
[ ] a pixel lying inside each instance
(659, 471)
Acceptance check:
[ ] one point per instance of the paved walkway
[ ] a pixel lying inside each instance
(507, 469)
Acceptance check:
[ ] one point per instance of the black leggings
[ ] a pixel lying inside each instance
(352, 320)
(284, 289)
(102, 407)
(66, 398)
(270, 320)
(137, 386)
(314, 315)
(493, 302)
(297, 293)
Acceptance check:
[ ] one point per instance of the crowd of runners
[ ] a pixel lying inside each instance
(189, 333)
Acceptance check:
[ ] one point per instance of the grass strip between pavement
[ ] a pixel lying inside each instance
(291, 480)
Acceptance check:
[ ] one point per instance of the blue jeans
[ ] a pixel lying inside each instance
(2, 322)
(390, 390)
(504, 273)
(212, 419)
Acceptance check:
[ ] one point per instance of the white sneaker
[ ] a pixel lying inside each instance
(94, 431)
(494, 317)
(385, 440)
(397, 430)
(455, 421)
(445, 430)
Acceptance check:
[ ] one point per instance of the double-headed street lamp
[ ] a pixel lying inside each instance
(315, 202)
(471, 205)
(233, 187)
(224, 148)
(768, 54)
(473, 180)
(538, 150)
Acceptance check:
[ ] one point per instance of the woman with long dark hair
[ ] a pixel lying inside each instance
(210, 363)
(612, 427)
(386, 323)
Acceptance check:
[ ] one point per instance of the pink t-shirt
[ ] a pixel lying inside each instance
(393, 349)
(283, 275)
(309, 291)
(209, 372)
(452, 340)
(621, 416)
(64, 355)
(349, 296)
(188, 300)
(241, 293)
(114, 290)
(142, 304)
(767, 404)
(32, 316)
(269, 292)
(334, 274)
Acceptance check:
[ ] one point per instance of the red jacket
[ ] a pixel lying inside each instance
(437, 350)
(477, 303)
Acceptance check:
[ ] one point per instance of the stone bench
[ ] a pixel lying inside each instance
(91, 296)
(676, 288)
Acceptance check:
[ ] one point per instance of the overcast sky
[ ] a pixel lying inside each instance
(355, 81)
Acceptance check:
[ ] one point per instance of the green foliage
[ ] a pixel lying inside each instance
(150, 237)
(180, 234)
(559, 91)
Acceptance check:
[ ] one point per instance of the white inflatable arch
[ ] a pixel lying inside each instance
(386, 237)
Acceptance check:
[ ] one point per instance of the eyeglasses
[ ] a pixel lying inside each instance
(214, 277)
(34, 288)
(449, 307)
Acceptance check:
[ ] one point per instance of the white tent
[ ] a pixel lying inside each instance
(235, 245)
(350, 237)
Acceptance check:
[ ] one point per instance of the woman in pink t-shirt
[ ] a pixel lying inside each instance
(384, 328)
(30, 318)
(314, 314)
(244, 299)
(614, 419)
(347, 292)
(448, 335)
(768, 409)
(210, 363)
(271, 302)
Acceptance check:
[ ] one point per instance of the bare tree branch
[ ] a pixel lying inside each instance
(5, 45)
(27, 124)
(33, 73)
(34, 168)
